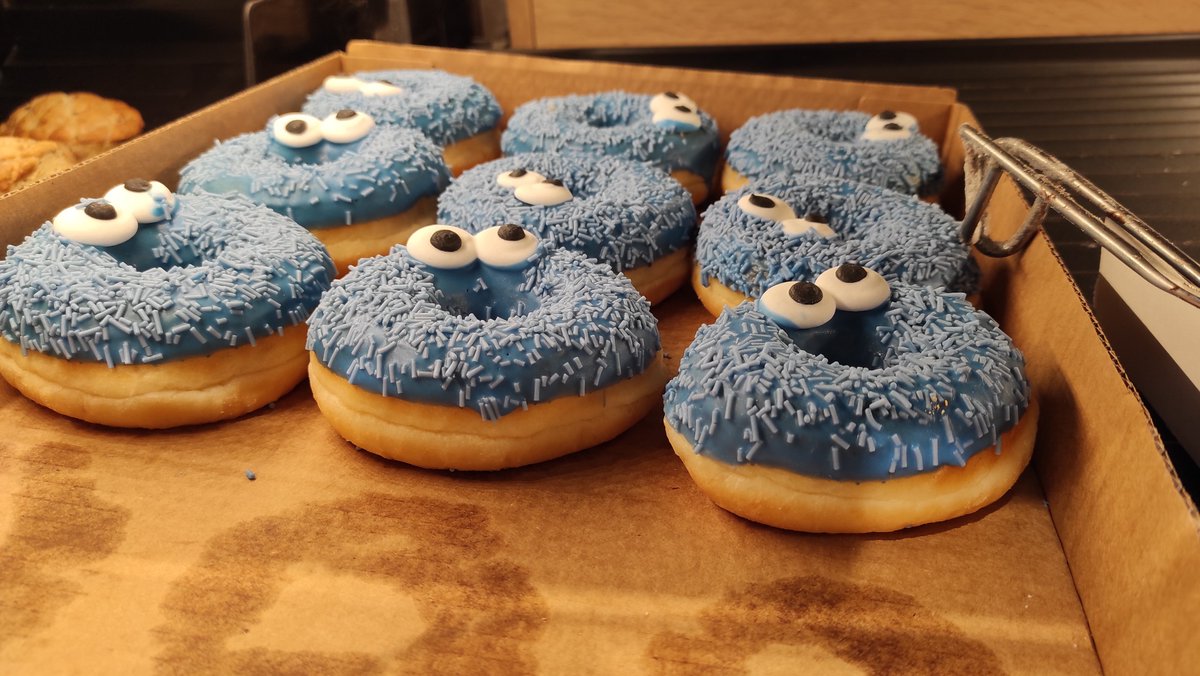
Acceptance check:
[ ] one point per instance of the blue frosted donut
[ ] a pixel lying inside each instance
(816, 223)
(482, 333)
(620, 212)
(218, 273)
(358, 196)
(622, 124)
(446, 108)
(832, 143)
(918, 384)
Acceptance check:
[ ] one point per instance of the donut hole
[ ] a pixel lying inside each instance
(852, 339)
(488, 294)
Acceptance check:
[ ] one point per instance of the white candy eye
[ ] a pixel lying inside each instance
(797, 305)
(811, 222)
(668, 100)
(342, 84)
(890, 131)
(296, 130)
(505, 246)
(148, 201)
(99, 223)
(765, 206)
(442, 246)
(379, 88)
(518, 177)
(885, 117)
(679, 117)
(547, 193)
(346, 126)
(854, 287)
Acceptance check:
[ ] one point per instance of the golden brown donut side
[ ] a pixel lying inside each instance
(784, 499)
(466, 153)
(658, 280)
(695, 184)
(349, 243)
(219, 386)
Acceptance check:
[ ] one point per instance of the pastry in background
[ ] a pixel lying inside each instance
(24, 161)
(85, 123)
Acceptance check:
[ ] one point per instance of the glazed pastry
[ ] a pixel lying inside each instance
(24, 161)
(786, 228)
(667, 130)
(626, 214)
(360, 188)
(846, 405)
(87, 124)
(887, 150)
(455, 112)
(481, 352)
(147, 309)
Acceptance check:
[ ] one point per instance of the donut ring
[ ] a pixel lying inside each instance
(358, 197)
(620, 124)
(743, 250)
(455, 112)
(913, 412)
(832, 143)
(436, 357)
(193, 319)
(623, 213)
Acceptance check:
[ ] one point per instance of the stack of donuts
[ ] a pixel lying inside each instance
(461, 298)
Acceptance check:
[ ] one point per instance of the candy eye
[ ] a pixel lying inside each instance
(668, 100)
(98, 222)
(505, 246)
(905, 120)
(518, 177)
(811, 222)
(296, 130)
(379, 88)
(765, 206)
(547, 193)
(342, 84)
(442, 246)
(854, 287)
(797, 305)
(346, 126)
(147, 201)
(680, 117)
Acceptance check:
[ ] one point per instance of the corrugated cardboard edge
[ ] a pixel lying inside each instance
(1130, 532)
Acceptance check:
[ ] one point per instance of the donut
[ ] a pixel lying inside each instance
(147, 309)
(455, 112)
(626, 214)
(786, 228)
(359, 187)
(886, 149)
(481, 352)
(851, 405)
(667, 130)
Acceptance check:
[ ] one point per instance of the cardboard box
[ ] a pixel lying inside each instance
(130, 551)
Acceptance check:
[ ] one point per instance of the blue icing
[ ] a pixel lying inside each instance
(445, 107)
(483, 338)
(623, 213)
(381, 175)
(220, 273)
(898, 236)
(923, 381)
(826, 142)
(611, 123)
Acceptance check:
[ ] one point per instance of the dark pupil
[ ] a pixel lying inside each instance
(137, 185)
(892, 126)
(553, 181)
(345, 114)
(102, 211)
(518, 172)
(671, 95)
(683, 109)
(887, 115)
(296, 126)
(814, 217)
(511, 233)
(806, 293)
(851, 272)
(762, 201)
(446, 240)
